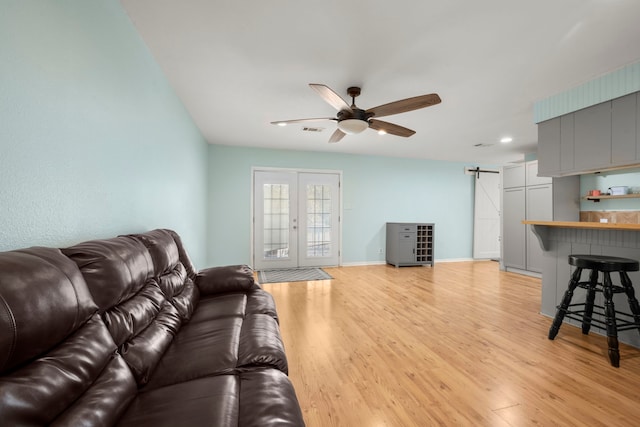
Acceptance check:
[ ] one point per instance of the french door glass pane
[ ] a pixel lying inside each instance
(276, 221)
(318, 220)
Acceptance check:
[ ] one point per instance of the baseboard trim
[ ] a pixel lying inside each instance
(455, 260)
(364, 263)
(523, 272)
(361, 264)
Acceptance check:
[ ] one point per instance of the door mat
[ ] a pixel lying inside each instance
(292, 275)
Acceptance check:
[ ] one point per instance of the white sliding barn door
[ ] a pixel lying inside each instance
(486, 216)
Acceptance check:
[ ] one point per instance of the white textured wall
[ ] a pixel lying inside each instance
(93, 141)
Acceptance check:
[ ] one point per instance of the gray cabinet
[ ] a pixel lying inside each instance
(601, 137)
(514, 231)
(410, 243)
(623, 130)
(638, 126)
(539, 198)
(549, 147)
(592, 133)
(539, 206)
(567, 142)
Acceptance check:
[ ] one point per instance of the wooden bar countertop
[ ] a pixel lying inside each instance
(580, 224)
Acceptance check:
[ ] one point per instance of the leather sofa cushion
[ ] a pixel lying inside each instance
(244, 304)
(219, 339)
(226, 305)
(107, 399)
(259, 398)
(58, 342)
(230, 278)
(212, 349)
(261, 302)
(114, 269)
(169, 270)
(260, 343)
(144, 350)
(182, 253)
(268, 399)
(187, 300)
(212, 401)
(57, 303)
(120, 275)
(162, 248)
(83, 370)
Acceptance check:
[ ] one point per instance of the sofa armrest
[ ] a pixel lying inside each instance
(230, 278)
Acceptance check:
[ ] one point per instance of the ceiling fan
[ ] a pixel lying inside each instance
(352, 119)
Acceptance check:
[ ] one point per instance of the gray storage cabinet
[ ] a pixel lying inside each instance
(527, 195)
(601, 137)
(514, 231)
(410, 243)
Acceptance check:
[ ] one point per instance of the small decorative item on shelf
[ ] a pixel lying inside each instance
(618, 191)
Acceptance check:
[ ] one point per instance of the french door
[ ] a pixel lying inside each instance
(296, 219)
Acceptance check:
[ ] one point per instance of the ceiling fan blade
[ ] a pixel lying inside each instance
(405, 105)
(337, 136)
(286, 122)
(390, 128)
(330, 97)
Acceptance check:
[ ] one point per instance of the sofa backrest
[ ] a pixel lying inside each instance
(172, 269)
(51, 336)
(184, 257)
(120, 275)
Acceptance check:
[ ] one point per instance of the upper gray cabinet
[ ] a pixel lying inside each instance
(624, 113)
(600, 137)
(592, 137)
(567, 142)
(549, 147)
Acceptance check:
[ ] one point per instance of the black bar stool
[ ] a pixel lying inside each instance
(614, 320)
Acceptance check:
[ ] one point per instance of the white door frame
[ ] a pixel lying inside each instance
(296, 170)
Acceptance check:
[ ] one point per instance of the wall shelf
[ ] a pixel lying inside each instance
(604, 196)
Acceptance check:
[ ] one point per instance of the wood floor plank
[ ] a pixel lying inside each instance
(460, 344)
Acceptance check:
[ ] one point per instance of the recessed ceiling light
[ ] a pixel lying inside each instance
(506, 140)
(281, 124)
(382, 132)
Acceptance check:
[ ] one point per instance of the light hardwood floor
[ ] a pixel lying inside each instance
(460, 344)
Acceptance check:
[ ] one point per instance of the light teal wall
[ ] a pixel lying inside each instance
(613, 85)
(376, 190)
(602, 181)
(93, 140)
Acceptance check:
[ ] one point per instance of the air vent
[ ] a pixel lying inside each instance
(481, 145)
(308, 129)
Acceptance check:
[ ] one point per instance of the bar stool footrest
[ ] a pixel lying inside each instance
(622, 324)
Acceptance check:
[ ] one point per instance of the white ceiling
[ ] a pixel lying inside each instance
(237, 66)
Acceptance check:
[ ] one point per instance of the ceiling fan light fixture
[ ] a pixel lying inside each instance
(352, 126)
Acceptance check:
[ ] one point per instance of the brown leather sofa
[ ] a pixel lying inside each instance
(125, 332)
